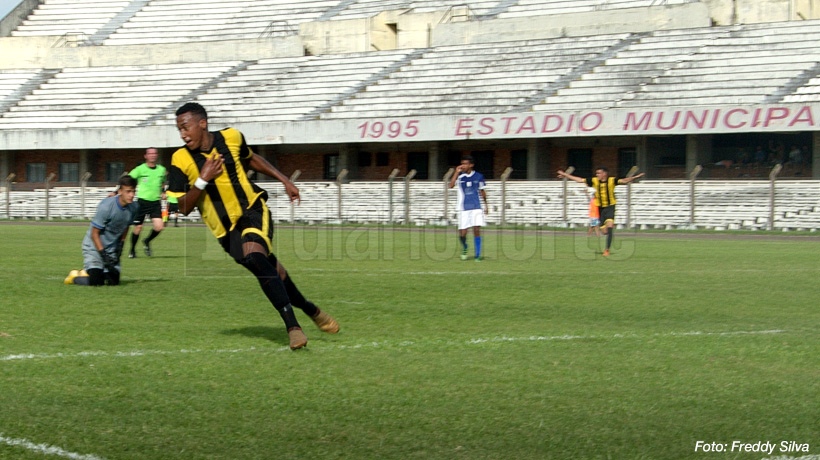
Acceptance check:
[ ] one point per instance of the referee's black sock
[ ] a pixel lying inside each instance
(272, 286)
(153, 235)
(609, 237)
(134, 238)
(297, 299)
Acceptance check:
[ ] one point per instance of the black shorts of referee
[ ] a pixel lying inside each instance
(152, 209)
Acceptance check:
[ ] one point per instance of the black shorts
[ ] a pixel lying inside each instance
(255, 226)
(607, 213)
(152, 209)
(173, 207)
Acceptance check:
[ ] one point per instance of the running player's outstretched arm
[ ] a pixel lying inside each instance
(571, 177)
(627, 180)
(263, 166)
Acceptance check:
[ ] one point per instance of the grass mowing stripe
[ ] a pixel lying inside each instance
(384, 344)
(45, 449)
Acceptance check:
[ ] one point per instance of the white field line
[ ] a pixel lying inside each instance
(45, 449)
(503, 339)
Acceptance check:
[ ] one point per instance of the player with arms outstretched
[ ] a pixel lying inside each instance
(470, 213)
(210, 173)
(604, 186)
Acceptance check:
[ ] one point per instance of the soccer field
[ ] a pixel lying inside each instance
(544, 350)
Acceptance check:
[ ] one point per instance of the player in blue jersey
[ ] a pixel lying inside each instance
(470, 212)
(103, 242)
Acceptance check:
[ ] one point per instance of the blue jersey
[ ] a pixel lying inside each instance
(468, 188)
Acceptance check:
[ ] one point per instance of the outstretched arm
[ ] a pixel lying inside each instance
(627, 180)
(562, 174)
(261, 165)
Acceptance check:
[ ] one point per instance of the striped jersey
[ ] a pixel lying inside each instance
(227, 196)
(604, 191)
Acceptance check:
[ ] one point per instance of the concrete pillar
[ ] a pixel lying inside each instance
(698, 150)
(348, 160)
(434, 170)
(5, 165)
(537, 159)
(84, 165)
(642, 156)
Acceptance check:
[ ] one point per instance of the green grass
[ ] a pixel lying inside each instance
(545, 350)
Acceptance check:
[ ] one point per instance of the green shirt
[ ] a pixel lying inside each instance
(149, 181)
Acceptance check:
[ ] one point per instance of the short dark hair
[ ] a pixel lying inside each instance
(194, 108)
(602, 168)
(468, 158)
(127, 181)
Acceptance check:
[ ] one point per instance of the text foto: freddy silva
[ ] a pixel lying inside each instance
(760, 446)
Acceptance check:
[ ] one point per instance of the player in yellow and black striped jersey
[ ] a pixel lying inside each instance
(604, 187)
(211, 173)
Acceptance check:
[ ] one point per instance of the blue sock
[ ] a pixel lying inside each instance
(477, 240)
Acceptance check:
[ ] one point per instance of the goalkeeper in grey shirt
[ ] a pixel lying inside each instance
(103, 242)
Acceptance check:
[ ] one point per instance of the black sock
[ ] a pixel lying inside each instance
(609, 237)
(297, 299)
(153, 235)
(463, 240)
(271, 285)
(113, 277)
(96, 277)
(134, 238)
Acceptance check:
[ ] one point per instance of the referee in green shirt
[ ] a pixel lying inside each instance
(150, 178)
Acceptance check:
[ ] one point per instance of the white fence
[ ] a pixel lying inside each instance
(721, 205)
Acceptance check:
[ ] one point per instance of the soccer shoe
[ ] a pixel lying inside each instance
(132, 255)
(83, 273)
(606, 252)
(71, 275)
(147, 249)
(478, 259)
(298, 339)
(325, 322)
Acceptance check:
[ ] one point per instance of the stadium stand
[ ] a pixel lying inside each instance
(457, 79)
(110, 96)
(746, 64)
(539, 7)
(719, 205)
(370, 8)
(293, 89)
(750, 64)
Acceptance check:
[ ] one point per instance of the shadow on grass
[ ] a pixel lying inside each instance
(277, 335)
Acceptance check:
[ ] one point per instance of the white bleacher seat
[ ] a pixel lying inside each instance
(108, 96)
(291, 88)
(720, 204)
(160, 21)
(60, 17)
(455, 79)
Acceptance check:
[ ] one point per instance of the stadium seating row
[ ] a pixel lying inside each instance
(648, 204)
(744, 64)
(129, 22)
